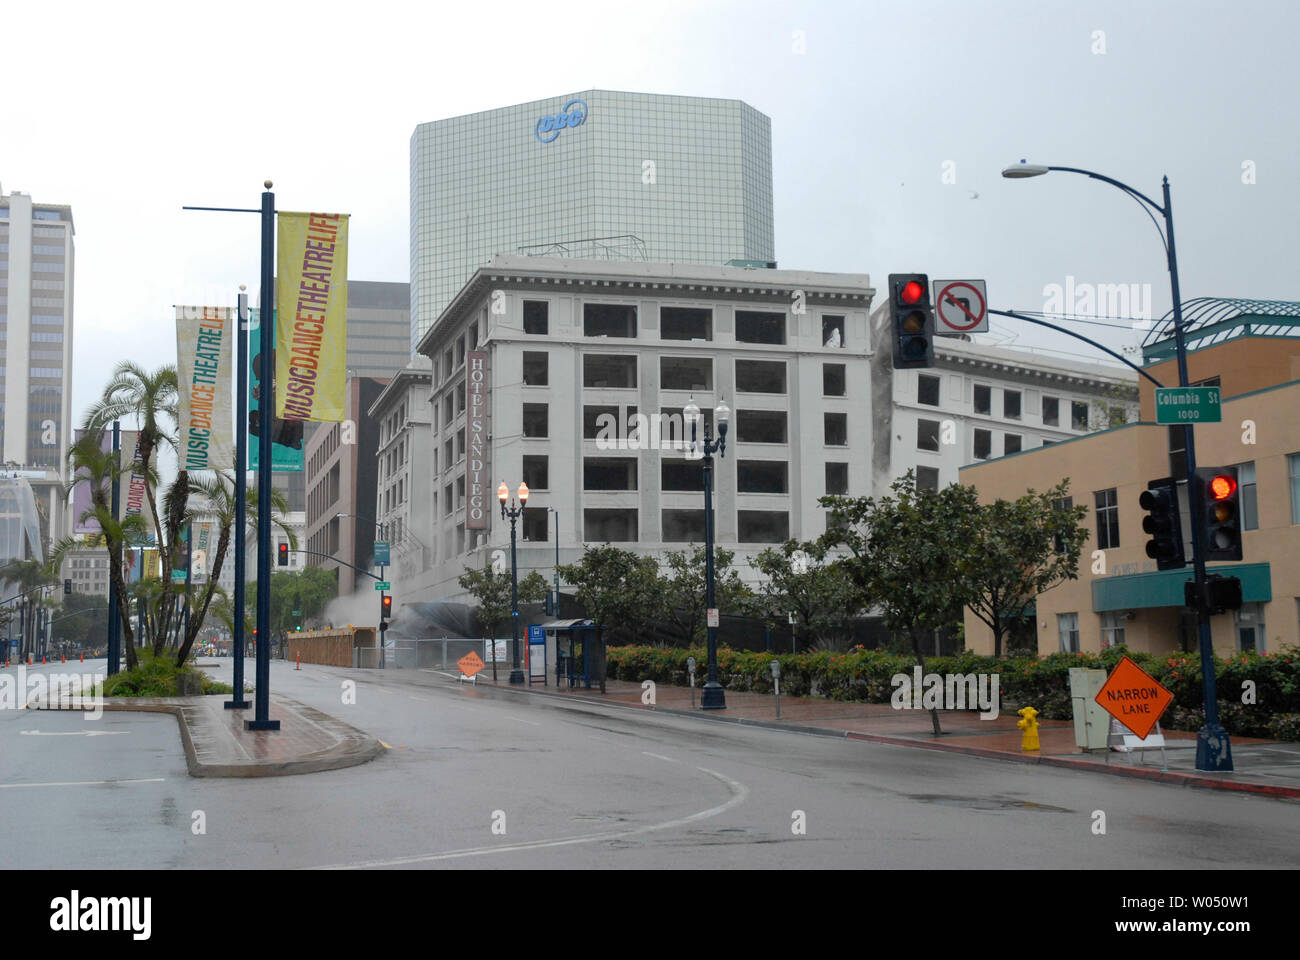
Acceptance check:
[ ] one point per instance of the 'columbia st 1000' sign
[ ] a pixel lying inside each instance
(548, 128)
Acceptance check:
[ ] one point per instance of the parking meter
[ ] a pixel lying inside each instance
(776, 685)
(690, 669)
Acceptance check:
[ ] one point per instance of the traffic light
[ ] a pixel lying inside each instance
(1160, 500)
(1221, 593)
(913, 320)
(1221, 521)
(284, 554)
(386, 607)
(67, 587)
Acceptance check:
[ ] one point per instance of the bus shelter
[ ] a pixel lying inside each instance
(577, 648)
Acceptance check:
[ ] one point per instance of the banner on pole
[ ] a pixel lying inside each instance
(203, 367)
(286, 435)
(312, 298)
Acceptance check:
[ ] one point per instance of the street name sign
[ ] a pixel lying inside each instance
(382, 555)
(1188, 405)
(178, 576)
(1133, 697)
(470, 664)
(383, 585)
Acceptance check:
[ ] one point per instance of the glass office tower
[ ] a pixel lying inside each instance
(590, 174)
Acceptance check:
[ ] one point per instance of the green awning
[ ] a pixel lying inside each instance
(1165, 588)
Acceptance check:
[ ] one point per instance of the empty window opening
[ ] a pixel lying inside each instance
(536, 317)
(760, 376)
(685, 323)
(762, 476)
(606, 370)
(608, 320)
(755, 327)
(686, 373)
(761, 426)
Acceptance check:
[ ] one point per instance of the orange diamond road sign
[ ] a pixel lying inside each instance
(1133, 697)
(470, 664)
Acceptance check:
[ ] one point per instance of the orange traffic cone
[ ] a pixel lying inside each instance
(299, 666)
(83, 656)
(64, 656)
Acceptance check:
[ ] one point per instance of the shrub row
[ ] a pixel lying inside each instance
(1040, 682)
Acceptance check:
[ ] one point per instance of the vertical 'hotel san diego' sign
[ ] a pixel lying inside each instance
(476, 433)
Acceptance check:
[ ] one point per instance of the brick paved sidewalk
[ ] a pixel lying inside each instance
(1261, 766)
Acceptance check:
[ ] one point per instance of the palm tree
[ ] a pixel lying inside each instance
(217, 494)
(90, 464)
(151, 399)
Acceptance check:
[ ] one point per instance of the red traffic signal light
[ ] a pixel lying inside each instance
(912, 320)
(386, 607)
(1222, 486)
(284, 554)
(1221, 520)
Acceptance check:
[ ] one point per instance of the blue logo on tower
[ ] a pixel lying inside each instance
(548, 128)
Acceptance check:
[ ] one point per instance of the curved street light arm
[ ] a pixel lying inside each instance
(1078, 336)
(1135, 194)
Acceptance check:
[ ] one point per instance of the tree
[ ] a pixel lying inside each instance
(1017, 550)
(492, 591)
(619, 589)
(906, 554)
(216, 496)
(685, 585)
(308, 591)
(90, 464)
(820, 595)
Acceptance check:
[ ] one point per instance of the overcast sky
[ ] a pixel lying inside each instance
(127, 111)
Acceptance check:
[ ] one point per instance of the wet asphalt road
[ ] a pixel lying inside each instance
(486, 779)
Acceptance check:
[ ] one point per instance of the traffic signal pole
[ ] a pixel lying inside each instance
(1213, 749)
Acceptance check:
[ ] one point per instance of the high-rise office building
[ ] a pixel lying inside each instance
(36, 274)
(36, 270)
(595, 174)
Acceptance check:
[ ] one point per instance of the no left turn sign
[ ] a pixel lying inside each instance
(960, 306)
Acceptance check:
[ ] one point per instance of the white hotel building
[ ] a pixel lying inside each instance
(568, 341)
(799, 357)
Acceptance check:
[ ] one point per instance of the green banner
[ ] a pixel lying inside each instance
(286, 435)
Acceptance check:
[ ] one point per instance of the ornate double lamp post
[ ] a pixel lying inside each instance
(513, 512)
(713, 696)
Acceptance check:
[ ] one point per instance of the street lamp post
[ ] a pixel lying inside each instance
(713, 696)
(555, 608)
(513, 512)
(1213, 748)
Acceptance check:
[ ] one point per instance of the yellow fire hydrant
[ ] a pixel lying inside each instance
(1028, 723)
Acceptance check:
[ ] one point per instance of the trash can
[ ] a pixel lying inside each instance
(1091, 722)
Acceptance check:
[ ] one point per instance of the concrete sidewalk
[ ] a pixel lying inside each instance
(217, 745)
(1261, 766)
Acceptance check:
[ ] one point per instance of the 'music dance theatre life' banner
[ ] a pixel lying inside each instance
(203, 372)
(312, 315)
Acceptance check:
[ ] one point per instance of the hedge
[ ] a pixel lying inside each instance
(1042, 682)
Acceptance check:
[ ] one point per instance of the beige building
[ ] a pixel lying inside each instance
(1120, 596)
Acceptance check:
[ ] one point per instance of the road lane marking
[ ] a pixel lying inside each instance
(82, 783)
(74, 733)
(658, 756)
(739, 793)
